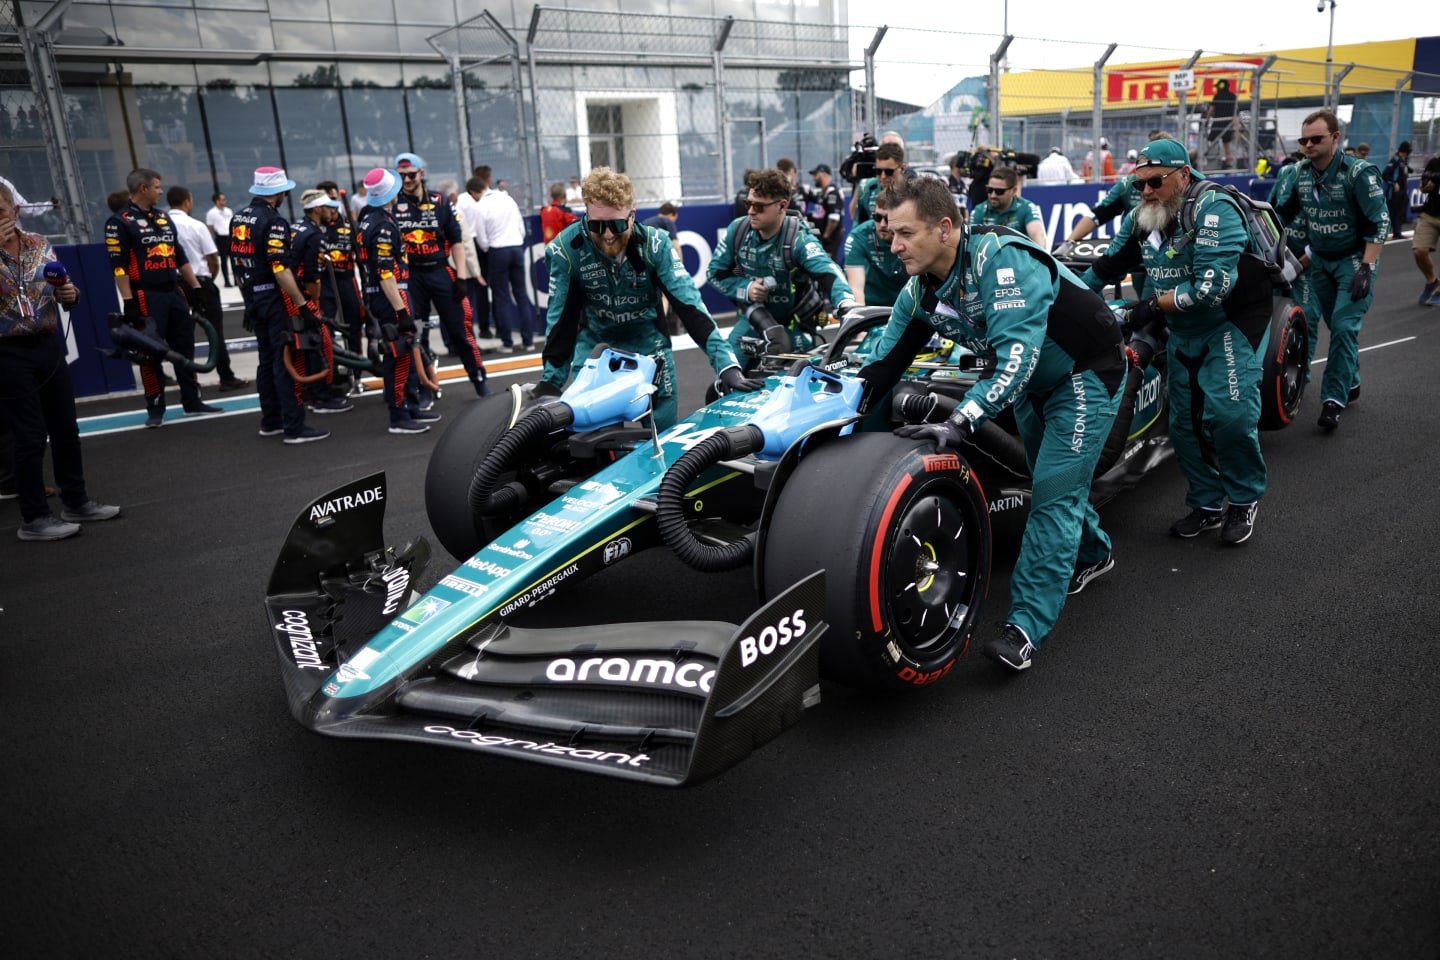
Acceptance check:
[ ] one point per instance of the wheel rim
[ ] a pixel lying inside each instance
(928, 593)
(1292, 369)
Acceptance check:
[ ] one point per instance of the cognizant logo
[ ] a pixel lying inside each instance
(484, 740)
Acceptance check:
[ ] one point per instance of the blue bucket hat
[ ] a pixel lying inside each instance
(381, 186)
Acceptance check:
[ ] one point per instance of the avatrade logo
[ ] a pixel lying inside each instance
(424, 610)
(340, 504)
(617, 549)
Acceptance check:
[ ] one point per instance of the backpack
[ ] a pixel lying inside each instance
(789, 230)
(1267, 230)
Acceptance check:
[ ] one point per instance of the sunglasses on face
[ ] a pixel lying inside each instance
(880, 218)
(409, 175)
(997, 191)
(1153, 182)
(886, 171)
(1307, 141)
(759, 206)
(616, 227)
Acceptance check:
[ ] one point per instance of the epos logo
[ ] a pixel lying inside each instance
(772, 638)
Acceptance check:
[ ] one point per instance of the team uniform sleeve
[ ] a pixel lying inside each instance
(1370, 198)
(675, 283)
(562, 315)
(1018, 292)
(1285, 199)
(117, 245)
(812, 258)
(721, 272)
(1220, 239)
(385, 245)
(896, 344)
(1122, 255)
(855, 246)
(1112, 205)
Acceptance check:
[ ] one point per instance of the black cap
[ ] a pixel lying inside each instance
(1404, 147)
(821, 168)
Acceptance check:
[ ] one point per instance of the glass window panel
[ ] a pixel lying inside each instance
(292, 35)
(314, 136)
(298, 10)
(241, 120)
(361, 74)
(438, 13)
(231, 30)
(432, 133)
(90, 24)
(244, 4)
(153, 3)
(300, 74)
(373, 11)
(365, 38)
(156, 27)
(412, 39)
(169, 74)
(171, 137)
(232, 74)
(377, 127)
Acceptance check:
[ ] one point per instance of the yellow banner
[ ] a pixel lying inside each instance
(1295, 74)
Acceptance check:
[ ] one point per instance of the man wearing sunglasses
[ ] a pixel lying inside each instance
(1340, 202)
(1219, 321)
(1058, 364)
(875, 273)
(889, 167)
(607, 274)
(1006, 208)
(771, 268)
(435, 245)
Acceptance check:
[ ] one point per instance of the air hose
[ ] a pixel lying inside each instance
(729, 444)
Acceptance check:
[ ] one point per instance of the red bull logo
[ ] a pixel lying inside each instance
(163, 250)
(240, 231)
(417, 237)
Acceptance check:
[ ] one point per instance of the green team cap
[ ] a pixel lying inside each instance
(1163, 153)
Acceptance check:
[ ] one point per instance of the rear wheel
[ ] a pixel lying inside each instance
(904, 536)
(1286, 364)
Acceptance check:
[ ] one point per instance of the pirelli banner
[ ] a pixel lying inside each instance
(1295, 75)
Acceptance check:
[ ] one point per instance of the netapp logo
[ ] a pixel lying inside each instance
(476, 739)
(772, 638)
(340, 504)
(660, 673)
(295, 624)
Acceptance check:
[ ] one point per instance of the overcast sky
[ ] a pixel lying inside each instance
(916, 62)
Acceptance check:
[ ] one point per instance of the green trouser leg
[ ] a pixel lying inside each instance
(1330, 285)
(1214, 395)
(1062, 444)
(636, 339)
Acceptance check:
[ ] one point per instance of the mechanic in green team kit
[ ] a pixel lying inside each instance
(1059, 364)
(870, 266)
(1219, 327)
(607, 274)
(773, 269)
(1006, 208)
(1340, 201)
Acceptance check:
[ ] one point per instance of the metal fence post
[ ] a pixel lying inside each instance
(722, 120)
(1183, 114)
(992, 90)
(39, 49)
(1335, 84)
(534, 92)
(462, 122)
(872, 110)
(1255, 107)
(1395, 111)
(1097, 168)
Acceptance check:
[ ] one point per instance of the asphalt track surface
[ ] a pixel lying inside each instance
(1220, 753)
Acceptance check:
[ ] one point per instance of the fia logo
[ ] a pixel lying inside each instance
(617, 549)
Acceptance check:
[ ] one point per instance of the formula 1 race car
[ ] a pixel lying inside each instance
(870, 555)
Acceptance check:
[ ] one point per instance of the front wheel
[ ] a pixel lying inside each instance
(904, 535)
(1287, 364)
(467, 439)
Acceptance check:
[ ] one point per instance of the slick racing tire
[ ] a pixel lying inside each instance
(1287, 364)
(904, 537)
(453, 462)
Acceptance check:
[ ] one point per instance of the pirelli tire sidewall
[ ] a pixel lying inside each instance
(903, 534)
(1287, 363)
(467, 438)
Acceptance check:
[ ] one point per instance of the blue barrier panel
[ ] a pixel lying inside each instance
(93, 373)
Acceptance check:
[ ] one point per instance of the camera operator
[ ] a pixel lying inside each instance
(769, 265)
(885, 163)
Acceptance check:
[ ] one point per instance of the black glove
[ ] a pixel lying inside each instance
(946, 433)
(390, 332)
(1139, 313)
(731, 379)
(458, 292)
(545, 389)
(308, 315)
(1360, 283)
(777, 339)
(404, 322)
(131, 307)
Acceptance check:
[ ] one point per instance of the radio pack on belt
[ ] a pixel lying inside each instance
(1267, 231)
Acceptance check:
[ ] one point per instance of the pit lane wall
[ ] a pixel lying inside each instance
(700, 227)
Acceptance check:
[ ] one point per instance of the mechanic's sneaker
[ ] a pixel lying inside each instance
(332, 405)
(504, 348)
(88, 511)
(1196, 522)
(1083, 575)
(426, 416)
(1434, 300)
(48, 527)
(408, 426)
(154, 420)
(307, 434)
(1427, 295)
(1239, 522)
(201, 409)
(1011, 649)
(1329, 415)
(425, 406)
(271, 431)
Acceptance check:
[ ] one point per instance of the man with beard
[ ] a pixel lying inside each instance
(1340, 201)
(607, 274)
(875, 273)
(1219, 324)
(1059, 364)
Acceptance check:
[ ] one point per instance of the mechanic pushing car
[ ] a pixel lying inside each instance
(1341, 201)
(770, 267)
(1059, 362)
(606, 276)
(1219, 327)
